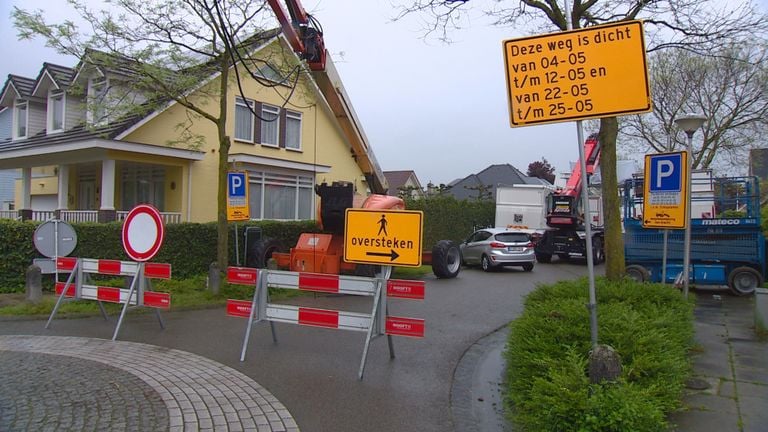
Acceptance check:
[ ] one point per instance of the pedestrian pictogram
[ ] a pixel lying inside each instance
(383, 225)
(391, 237)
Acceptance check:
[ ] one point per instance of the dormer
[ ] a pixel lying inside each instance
(63, 110)
(17, 95)
(106, 83)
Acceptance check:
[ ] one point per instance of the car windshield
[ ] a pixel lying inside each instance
(512, 237)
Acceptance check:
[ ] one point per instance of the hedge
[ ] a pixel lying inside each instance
(446, 218)
(548, 389)
(189, 247)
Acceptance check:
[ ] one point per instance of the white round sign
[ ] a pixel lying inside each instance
(143, 232)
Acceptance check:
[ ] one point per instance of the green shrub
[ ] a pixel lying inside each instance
(446, 218)
(650, 326)
(189, 247)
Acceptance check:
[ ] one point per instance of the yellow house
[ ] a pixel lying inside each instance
(80, 161)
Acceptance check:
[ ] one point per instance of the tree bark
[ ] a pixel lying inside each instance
(222, 229)
(614, 244)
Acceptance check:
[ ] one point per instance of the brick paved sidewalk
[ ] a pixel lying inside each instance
(72, 383)
(732, 368)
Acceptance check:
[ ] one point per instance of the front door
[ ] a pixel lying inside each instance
(86, 195)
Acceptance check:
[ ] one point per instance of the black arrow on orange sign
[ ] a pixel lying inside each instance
(394, 255)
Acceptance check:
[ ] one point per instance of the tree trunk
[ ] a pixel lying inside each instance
(614, 243)
(222, 229)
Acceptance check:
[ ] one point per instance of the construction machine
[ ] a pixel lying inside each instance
(323, 253)
(566, 236)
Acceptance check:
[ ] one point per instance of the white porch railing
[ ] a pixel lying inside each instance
(9, 214)
(168, 217)
(82, 215)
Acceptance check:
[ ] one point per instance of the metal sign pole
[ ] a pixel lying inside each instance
(260, 276)
(136, 282)
(375, 312)
(63, 293)
(592, 306)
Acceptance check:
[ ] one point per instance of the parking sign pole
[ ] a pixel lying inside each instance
(688, 123)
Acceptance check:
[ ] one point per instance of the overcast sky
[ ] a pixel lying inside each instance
(439, 110)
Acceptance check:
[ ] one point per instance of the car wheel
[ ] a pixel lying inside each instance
(528, 267)
(446, 259)
(485, 263)
(744, 280)
(598, 254)
(637, 273)
(544, 258)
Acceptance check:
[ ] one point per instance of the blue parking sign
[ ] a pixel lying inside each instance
(665, 191)
(236, 184)
(666, 172)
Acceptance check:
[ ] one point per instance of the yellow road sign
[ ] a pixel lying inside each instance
(387, 237)
(579, 74)
(665, 190)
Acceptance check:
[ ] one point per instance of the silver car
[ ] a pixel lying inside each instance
(491, 248)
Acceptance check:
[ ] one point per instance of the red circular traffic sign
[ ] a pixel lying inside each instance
(143, 232)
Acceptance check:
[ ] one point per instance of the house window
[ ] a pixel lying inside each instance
(243, 120)
(280, 196)
(142, 184)
(270, 125)
(97, 109)
(293, 130)
(56, 111)
(20, 118)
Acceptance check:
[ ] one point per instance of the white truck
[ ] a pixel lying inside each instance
(522, 205)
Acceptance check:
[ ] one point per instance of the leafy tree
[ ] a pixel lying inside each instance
(170, 47)
(541, 169)
(729, 87)
(484, 192)
(699, 26)
(437, 190)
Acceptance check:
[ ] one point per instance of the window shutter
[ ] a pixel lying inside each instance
(282, 128)
(257, 122)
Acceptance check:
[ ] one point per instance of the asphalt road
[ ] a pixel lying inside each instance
(313, 372)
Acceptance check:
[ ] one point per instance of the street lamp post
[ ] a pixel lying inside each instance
(688, 123)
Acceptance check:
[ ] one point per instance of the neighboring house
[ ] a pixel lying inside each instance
(94, 167)
(7, 177)
(486, 181)
(400, 181)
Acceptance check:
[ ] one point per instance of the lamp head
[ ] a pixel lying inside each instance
(690, 122)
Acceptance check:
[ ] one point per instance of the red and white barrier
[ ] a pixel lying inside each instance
(76, 288)
(376, 323)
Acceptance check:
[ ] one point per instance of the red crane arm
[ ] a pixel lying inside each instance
(304, 38)
(592, 159)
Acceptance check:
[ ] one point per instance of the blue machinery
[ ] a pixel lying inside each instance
(727, 242)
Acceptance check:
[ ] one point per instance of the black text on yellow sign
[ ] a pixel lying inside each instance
(386, 237)
(579, 74)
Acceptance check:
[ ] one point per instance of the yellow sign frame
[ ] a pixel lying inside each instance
(384, 237)
(579, 74)
(238, 208)
(660, 214)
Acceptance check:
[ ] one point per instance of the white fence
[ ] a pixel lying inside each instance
(81, 215)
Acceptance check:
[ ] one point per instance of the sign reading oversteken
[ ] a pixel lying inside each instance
(587, 73)
(386, 237)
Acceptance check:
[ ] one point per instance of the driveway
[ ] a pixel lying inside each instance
(313, 372)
